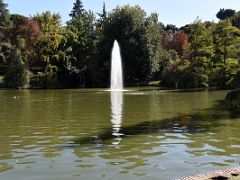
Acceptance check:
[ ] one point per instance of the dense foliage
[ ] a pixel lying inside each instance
(41, 52)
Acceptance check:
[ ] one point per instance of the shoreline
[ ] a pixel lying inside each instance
(230, 173)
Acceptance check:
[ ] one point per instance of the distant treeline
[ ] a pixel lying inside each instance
(40, 52)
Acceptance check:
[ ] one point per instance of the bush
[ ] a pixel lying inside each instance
(226, 75)
(44, 81)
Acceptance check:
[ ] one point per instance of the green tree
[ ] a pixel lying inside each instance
(5, 52)
(171, 28)
(226, 57)
(5, 46)
(235, 19)
(83, 48)
(50, 25)
(201, 40)
(127, 26)
(179, 75)
(17, 75)
(103, 15)
(4, 15)
(154, 35)
(77, 10)
(100, 24)
(201, 51)
(226, 40)
(225, 13)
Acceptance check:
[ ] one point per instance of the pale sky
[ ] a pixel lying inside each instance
(178, 12)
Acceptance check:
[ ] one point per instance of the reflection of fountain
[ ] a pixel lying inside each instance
(116, 106)
(116, 69)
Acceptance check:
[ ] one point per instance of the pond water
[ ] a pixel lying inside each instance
(94, 134)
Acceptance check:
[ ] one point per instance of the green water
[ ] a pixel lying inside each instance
(140, 134)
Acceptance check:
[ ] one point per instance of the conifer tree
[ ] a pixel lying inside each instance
(4, 14)
(77, 10)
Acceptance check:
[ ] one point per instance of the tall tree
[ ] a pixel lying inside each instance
(77, 10)
(180, 43)
(201, 51)
(176, 41)
(226, 40)
(82, 25)
(103, 14)
(154, 46)
(28, 29)
(101, 22)
(4, 15)
(226, 56)
(201, 40)
(17, 75)
(236, 19)
(5, 46)
(50, 25)
(225, 13)
(127, 25)
(171, 28)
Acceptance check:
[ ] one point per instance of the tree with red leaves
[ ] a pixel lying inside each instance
(27, 29)
(176, 41)
(180, 43)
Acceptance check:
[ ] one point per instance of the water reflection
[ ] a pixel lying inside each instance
(200, 122)
(40, 130)
(116, 107)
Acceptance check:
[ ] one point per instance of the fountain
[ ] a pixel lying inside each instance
(116, 69)
(116, 92)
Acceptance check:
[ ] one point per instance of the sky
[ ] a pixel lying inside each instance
(177, 12)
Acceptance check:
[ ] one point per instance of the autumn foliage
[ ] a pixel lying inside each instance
(176, 41)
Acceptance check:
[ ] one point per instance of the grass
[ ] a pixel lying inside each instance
(154, 83)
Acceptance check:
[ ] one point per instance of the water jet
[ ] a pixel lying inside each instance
(116, 69)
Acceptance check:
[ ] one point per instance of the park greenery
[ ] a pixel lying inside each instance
(42, 52)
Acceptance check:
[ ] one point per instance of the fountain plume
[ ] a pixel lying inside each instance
(116, 69)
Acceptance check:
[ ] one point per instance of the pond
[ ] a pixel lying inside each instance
(95, 134)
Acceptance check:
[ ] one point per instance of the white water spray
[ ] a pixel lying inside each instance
(116, 69)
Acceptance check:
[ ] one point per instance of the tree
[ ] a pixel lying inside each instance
(29, 30)
(77, 10)
(225, 13)
(226, 75)
(177, 41)
(17, 75)
(100, 24)
(5, 46)
(82, 25)
(4, 15)
(200, 53)
(236, 19)
(127, 26)
(50, 25)
(154, 46)
(103, 14)
(180, 43)
(178, 74)
(201, 40)
(23, 35)
(5, 52)
(171, 28)
(101, 63)
(226, 41)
